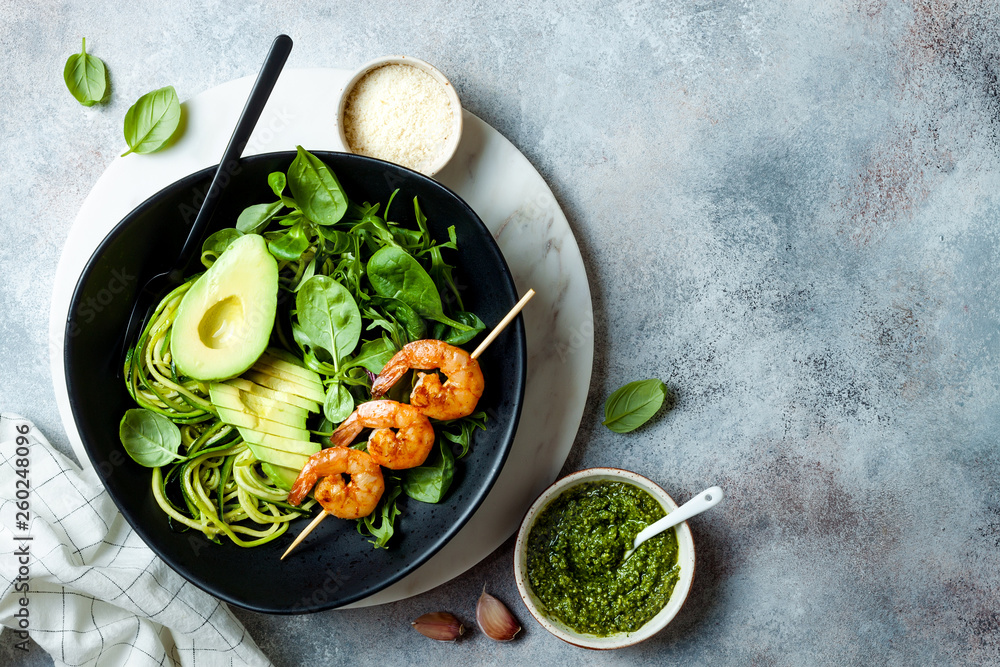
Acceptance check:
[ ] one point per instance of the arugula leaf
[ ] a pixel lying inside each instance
(256, 218)
(152, 120)
(86, 77)
(216, 244)
(328, 317)
(316, 189)
(634, 404)
(150, 439)
(430, 482)
(382, 528)
(394, 273)
(466, 427)
(472, 320)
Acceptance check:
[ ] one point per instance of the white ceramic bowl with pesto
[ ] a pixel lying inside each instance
(685, 557)
(447, 149)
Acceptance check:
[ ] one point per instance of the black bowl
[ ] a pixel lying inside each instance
(335, 565)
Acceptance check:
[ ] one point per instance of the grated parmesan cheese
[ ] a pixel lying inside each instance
(398, 113)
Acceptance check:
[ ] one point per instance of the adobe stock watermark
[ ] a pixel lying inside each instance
(21, 533)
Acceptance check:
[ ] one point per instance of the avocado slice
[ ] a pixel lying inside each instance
(224, 321)
(282, 443)
(270, 394)
(279, 359)
(274, 371)
(242, 419)
(282, 477)
(226, 396)
(277, 457)
(279, 384)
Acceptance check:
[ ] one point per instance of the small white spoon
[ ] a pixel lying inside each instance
(707, 499)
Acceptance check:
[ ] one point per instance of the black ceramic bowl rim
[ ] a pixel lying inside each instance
(147, 534)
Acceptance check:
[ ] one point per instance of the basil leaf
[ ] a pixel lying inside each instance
(256, 218)
(430, 482)
(339, 403)
(152, 120)
(382, 527)
(290, 245)
(150, 439)
(373, 355)
(216, 244)
(631, 406)
(394, 273)
(276, 181)
(328, 317)
(86, 77)
(316, 189)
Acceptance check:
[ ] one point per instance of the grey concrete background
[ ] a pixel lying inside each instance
(788, 211)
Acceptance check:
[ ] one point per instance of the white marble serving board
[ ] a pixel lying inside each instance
(495, 179)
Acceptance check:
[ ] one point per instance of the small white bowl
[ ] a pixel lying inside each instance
(685, 556)
(451, 145)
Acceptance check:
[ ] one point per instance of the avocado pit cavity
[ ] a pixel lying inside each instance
(222, 325)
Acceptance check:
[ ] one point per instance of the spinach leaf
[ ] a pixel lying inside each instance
(631, 406)
(86, 77)
(328, 317)
(430, 482)
(339, 403)
(373, 355)
(382, 528)
(466, 427)
(394, 273)
(150, 439)
(152, 120)
(216, 244)
(472, 320)
(337, 241)
(316, 189)
(276, 180)
(307, 273)
(290, 245)
(255, 219)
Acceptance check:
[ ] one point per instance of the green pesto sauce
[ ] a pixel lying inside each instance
(575, 552)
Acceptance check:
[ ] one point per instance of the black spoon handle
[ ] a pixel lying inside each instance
(268, 76)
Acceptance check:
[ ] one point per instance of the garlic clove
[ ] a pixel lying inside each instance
(439, 625)
(494, 619)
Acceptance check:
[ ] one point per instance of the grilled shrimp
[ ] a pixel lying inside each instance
(407, 447)
(345, 499)
(456, 397)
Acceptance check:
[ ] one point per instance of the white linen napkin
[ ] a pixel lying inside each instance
(82, 583)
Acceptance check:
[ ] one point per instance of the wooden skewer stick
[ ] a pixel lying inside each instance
(503, 323)
(315, 522)
(479, 350)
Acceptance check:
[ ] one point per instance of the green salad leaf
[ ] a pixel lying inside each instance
(150, 439)
(339, 403)
(152, 121)
(631, 406)
(216, 244)
(395, 274)
(316, 189)
(328, 317)
(255, 218)
(430, 482)
(466, 426)
(380, 524)
(86, 77)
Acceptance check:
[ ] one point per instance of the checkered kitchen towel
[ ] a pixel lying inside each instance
(82, 584)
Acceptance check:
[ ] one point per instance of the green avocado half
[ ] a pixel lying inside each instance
(224, 321)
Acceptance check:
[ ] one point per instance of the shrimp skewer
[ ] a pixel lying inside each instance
(482, 347)
(456, 397)
(408, 447)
